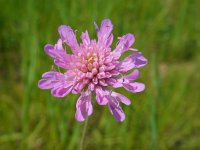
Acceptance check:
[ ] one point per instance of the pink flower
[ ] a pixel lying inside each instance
(93, 68)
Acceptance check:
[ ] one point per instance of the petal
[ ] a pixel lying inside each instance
(118, 83)
(55, 51)
(83, 107)
(106, 27)
(49, 74)
(116, 110)
(85, 38)
(61, 91)
(59, 45)
(61, 58)
(111, 81)
(78, 87)
(104, 32)
(49, 49)
(124, 44)
(140, 60)
(45, 84)
(133, 76)
(134, 87)
(136, 60)
(58, 83)
(48, 80)
(121, 98)
(67, 35)
(109, 41)
(63, 63)
(78, 115)
(100, 96)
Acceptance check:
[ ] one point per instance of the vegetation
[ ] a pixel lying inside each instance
(165, 116)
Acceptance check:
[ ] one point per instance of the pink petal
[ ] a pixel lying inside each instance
(134, 87)
(118, 83)
(140, 60)
(116, 110)
(103, 82)
(104, 32)
(106, 27)
(55, 51)
(125, 43)
(45, 84)
(78, 87)
(48, 80)
(58, 83)
(121, 98)
(85, 38)
(67, 35)
(100, 96)
(111, 81)
(109, 41)
(91, 86)
(83, 107)
(50, 74)
(59, 45)
(49, 49)
(133, 76)
(136, 60)
(61, 91)
(61, 58)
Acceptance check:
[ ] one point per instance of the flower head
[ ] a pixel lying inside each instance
(93, 67)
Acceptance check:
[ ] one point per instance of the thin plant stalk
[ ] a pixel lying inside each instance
(84, 133)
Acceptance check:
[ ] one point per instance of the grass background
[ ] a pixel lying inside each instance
(165, 116)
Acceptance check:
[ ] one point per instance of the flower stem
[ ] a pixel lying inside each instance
(84, 133)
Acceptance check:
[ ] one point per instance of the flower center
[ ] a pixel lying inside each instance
(87, 62)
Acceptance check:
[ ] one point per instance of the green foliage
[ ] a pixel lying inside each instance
(165, 116)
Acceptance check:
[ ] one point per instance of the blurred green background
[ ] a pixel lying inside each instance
(165, 116)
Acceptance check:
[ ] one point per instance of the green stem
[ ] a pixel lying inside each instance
(84, 133)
